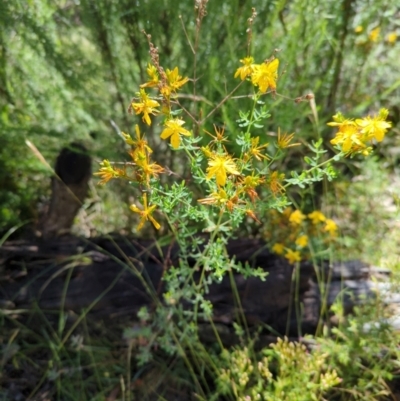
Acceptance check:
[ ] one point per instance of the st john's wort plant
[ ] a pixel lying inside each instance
(218, 190)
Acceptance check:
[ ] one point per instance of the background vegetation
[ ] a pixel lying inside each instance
(68, 69)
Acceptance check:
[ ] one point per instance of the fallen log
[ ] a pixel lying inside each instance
(73, 274)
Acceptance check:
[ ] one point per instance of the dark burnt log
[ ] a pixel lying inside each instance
(69, 188)
(99, 275)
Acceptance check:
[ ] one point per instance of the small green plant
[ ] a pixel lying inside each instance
(364, 352)
(287, 371)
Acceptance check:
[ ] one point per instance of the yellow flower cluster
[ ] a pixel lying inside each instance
(145, 214)
(263, 76)
(355, 136)
(140, 170)
(221, 165)
(225, 169)
(108, 172)
(291, 231)
(374, 36)
(168, 83)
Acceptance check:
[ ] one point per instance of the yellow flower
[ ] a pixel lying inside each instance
(284, 140)
(248, 185)
(247, 68)
(251, 214)
(331, 227)
(391, 37)
(175, 81)
(255, 150)
(292, 256)
(316, 217)
(302, 241)
(173, 128)
(354, 135)
(275, 182)
(107, 172)
(153, 75)
(349, 139)
(232, 202)
(374, 34)
(219, 198)
(145, 214)
(207, 151)
(146, 106)
(375, 127)
(147, 169)
(139, 144)
(341, 122)
(219, 135)
(219, 166)
(296, 217)
(358, 29)
(265, 75)
(278, 248)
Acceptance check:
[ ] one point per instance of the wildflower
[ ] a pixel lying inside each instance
(292, 256)
(349, 139)
(255, 150)
(221, 198)
(302, 241)
(251, 214)
(219, 135)
(331, 227)
(348, 136)
(249, 183)
(219, 166)
(218, 198)
(265, 75)
(374, 34)
(316, 217)
(145, 214)
(147, 169)
(278, 248)
(153, 75)
(107, 172)
(146, 106)
(341, 122)
(139, 144)
(232, 202)
(375, 127)
(358, 29)
(284, 140)
(175, 81)
(391, 38)
(353, 136)
(207, 151)
(173, 128)
(296, 218)
(247, 68)
(275, 183)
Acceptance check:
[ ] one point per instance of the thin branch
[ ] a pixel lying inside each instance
(221, 102)
(186, 34)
